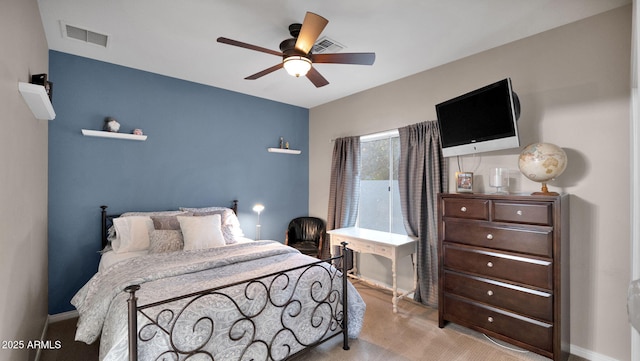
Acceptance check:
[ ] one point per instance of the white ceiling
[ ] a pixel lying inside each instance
(178, 38)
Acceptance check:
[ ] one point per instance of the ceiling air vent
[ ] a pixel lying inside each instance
(326, 45)
(87, 36)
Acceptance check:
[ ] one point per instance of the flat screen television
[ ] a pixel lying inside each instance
(482, 120)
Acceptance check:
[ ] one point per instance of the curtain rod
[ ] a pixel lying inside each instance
(381, 133)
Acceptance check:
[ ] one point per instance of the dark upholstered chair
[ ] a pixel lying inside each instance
(307, 235)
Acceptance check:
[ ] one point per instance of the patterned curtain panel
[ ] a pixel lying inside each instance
(344, 189)
(423, 173)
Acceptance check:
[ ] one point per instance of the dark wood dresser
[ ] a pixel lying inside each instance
(504, 268)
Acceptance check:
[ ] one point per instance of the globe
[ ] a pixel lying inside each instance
(542, 162)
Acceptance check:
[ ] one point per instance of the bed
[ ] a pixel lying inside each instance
(174, 296)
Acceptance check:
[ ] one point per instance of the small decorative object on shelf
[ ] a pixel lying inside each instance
(464, 182)
(137, 131)
(283, 147)
(111, 125)
(542, 162)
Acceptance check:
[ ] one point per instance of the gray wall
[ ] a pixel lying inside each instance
(23, 181)
(574, 86)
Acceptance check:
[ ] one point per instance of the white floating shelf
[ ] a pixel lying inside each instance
(286, 151)
(103, 134)
(38, 101)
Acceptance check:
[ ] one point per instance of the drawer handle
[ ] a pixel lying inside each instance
(490, 293)
(489, 264)
(490, 319)
(489, 236)
(463, 209)
(519, 212)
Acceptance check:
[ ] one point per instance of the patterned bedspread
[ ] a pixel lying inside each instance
(102, 304)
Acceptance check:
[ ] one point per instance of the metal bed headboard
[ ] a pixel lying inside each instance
(107, 221)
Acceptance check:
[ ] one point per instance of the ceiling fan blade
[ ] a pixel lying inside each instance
(345, 58)
(316, 78)
(248, 46)
(264, 72)
(312, 26)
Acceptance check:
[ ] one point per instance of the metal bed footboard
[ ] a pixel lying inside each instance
(261, 293)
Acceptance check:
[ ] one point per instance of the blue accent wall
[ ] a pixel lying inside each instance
(206, 146)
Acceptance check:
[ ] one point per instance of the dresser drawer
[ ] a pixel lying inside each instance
(520, 300)
(531, 240)
(522, 212)
(466, 208)
(523, 329)
(523, 270)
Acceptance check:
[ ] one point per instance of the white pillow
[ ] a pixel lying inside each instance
(132, 233)
(201, 232)
(230, 221)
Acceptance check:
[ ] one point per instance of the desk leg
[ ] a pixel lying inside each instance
(415, 272)
(356, 264)
(394, 300)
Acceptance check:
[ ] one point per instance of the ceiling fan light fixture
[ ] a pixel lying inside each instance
(297, 65)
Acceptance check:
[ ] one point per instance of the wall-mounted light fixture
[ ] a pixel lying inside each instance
(38, 100)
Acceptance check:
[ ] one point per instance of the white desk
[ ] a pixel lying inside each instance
(390, 245)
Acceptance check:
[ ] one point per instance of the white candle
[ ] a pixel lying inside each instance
(497, 178)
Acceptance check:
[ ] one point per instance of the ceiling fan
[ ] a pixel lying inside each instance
(297, 58)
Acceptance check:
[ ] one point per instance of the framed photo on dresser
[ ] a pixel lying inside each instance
(464, 182)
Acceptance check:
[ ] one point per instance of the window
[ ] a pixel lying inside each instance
(379, 206)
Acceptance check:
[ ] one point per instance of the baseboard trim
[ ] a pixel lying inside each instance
(42, 337)
(53, 319)
(63, 316)
(589, 355)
